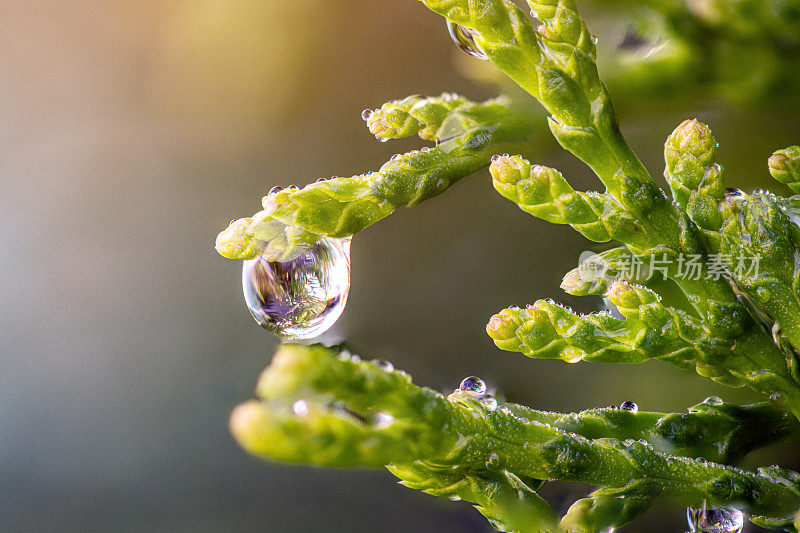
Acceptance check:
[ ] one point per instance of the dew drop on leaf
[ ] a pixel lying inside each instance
(488, 401)
(722, 520)
(383, 364)
(465, 39)
(713, 400)
(301, 298)
(382, 420)
(628, 405)
(473, 384)
(734, 193)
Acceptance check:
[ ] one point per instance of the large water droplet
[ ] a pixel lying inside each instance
(722, 520)
(473, 384)
(301, 298)
(628, 405)
(465, 39)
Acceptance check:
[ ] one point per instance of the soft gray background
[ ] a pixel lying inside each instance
(131, 133)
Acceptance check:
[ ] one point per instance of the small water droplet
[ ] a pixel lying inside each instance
(292, 188)
(493, 461)
(382, 139)
(776, 334)
(595, 40)
(473, 384)
(300, 408)
(425, 149)
(613, 407)
(301, 298)
(495, 158)
(382, 420)
(275, 189)
(513, 308)
(465, 39)
(733, 192)
(721, 520)
(777, 398)
(488, 401)
(383, 364)
(366, 114)
(628, 405)
(713, 400)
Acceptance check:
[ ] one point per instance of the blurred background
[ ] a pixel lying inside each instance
(132, 132)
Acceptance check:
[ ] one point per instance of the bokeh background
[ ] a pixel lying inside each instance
(132, 132)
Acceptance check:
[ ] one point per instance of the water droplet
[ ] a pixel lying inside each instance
(382, 420)
(303, 297)
(320, 180)
(395, 157)
(473, 384)
(275, 189)
(628, 405)
(383, 364)
(488, 401)
(595, 40)
(776, 334)
(382, 139)
(300, 408)
(613, 407)
(495, 158)
(366, 114)
(713, 400)
(493, 461)
(465, 39)
(722, 520)
(425, 149)
(292, 188)
(732, 192)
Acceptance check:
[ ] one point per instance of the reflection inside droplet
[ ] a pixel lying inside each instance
(301, 298)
